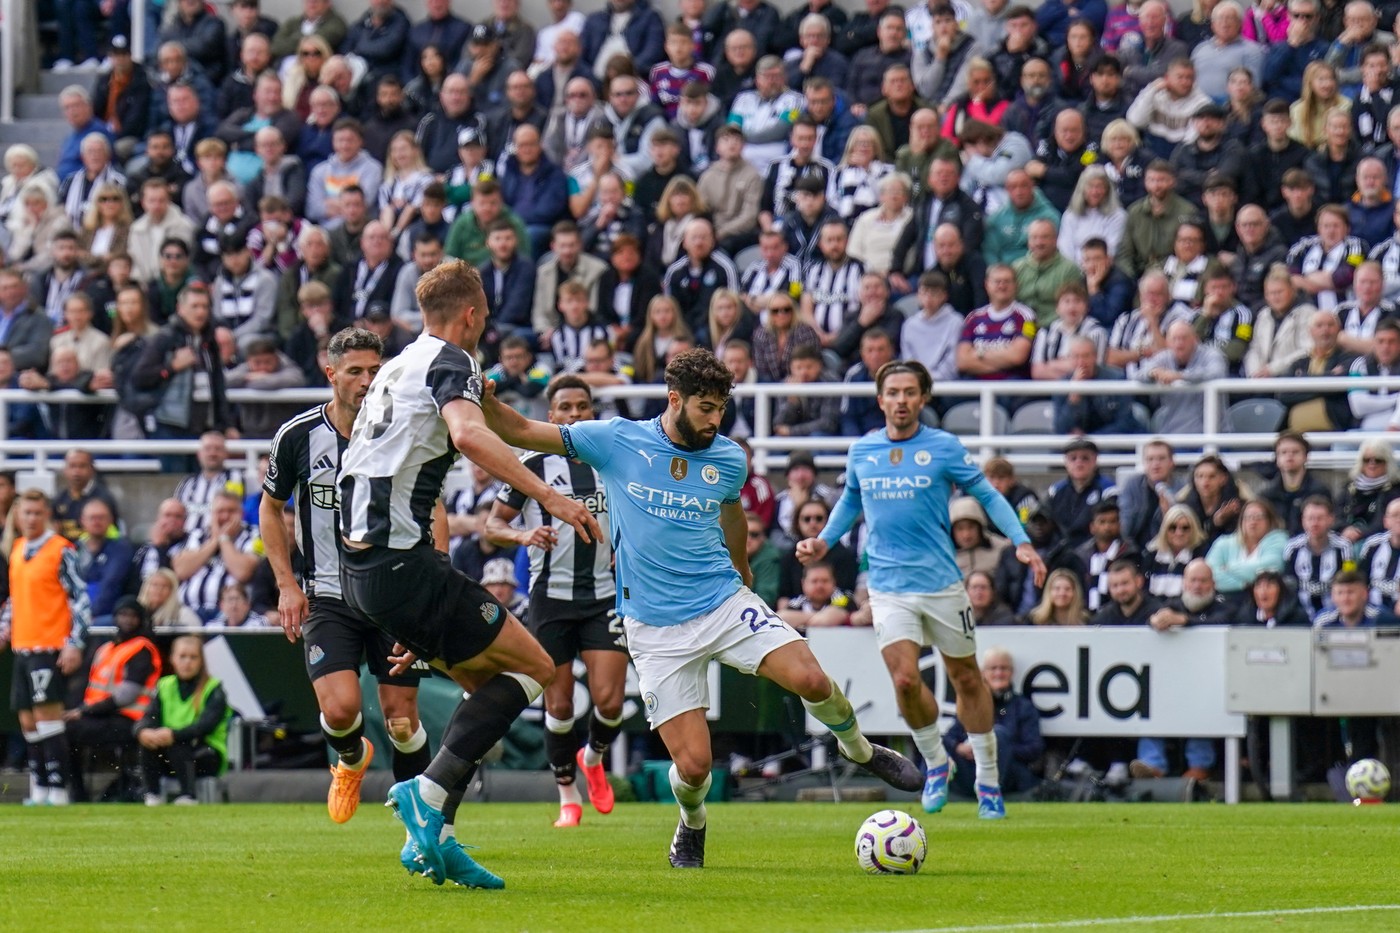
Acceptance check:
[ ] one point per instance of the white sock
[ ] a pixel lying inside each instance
(984, 752)
(568, 793)
(691, 799)
(433, 793)
(448, 831)
(929, 741)
(414, 742)
(837, 714)
(58, 796)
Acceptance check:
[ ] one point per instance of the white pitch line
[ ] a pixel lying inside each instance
(1160, 918)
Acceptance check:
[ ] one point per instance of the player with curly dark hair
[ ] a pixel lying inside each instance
(683, 590)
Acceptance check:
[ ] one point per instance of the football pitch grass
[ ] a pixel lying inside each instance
(770, 867)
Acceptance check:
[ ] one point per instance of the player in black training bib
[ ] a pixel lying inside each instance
(303, 466)
(572, 606)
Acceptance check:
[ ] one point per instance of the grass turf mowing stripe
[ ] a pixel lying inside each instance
(1163, 918)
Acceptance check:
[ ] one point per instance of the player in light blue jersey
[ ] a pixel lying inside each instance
(901, 478)
(683, 578)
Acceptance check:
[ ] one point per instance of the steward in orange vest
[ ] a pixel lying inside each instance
(120, 686)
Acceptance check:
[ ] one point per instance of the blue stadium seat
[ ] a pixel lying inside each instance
(1254, 416)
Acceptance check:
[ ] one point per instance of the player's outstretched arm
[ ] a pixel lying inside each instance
(499, 532)
(292, 606)
(517, 430)
(466, 425)
(736, 534)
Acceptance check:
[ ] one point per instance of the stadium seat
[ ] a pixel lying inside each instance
(965, 418)
(929, 417)
(1142, 413)
(908, 305)
(747, 257)
(832, 363)
(1158, 418)
(1254, 416)
(1036, 417)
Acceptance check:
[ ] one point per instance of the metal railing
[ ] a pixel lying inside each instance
(8, 47)
(770, 450)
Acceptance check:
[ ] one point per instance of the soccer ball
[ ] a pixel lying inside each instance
(891, 842)
(1368, 779)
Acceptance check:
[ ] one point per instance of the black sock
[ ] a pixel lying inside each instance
(350, 746)
(560, 748)
(455, 795)
(476, 726)
(600, 734)
(55, 750)
(410, 764)
(35, 752)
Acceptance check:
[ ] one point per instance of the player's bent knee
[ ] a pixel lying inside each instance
(693, 769)
(812, 684)
(339, 714)
(907, 682)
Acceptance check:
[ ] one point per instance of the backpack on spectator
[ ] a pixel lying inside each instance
(140, 402)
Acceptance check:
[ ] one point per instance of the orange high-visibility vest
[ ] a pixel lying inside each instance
(40, 618)
(109, 670)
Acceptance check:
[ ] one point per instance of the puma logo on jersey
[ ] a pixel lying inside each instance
(325, 463)
(650, 458)
(874, 460)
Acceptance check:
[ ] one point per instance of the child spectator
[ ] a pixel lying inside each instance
(669, 78)
(578, 329)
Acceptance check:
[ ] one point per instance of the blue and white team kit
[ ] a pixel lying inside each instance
(681, 600)
(903, 487)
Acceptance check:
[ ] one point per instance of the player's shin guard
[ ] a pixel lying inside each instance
(601, 733)
(691, 799)
(53, 741)
(478, 723)
(984, 753)
(411, 754)
(347, 743)
(837, 714)
(38, 780)
(560, 747)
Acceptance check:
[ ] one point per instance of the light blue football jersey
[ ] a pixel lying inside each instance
(664, 504)
(903, 488)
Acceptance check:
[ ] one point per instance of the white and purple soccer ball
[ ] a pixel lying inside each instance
(1368, 779)
(891, 842)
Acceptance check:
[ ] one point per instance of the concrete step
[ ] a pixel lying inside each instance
(37, 107)
(51, 82)
(46, 136)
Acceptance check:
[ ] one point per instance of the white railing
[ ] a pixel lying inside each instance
(770, 451)
(8, 47)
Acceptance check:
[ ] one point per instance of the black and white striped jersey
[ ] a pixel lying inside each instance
(1052, 343)
(1131, 331)
(758, 280)
(571, 571)
(1313, 573)
(391, 474)
(835, 292)
(1380, 562)
(196, 493)
(1309, 255)
(1360, 323)
(201, 591)
(303, 466)
(1387, 253)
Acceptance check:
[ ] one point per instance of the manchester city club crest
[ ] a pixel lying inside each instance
(896, 456)
(710, 474)
(923, 457)
(650, 700)
(679, 468)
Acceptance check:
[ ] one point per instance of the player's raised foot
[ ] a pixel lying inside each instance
(462, 869)
(600, 792)
(990, 805)
(570, 814)
(934, 796)
(424, 825)
(891, 767)
(688, 847)
(343, 798)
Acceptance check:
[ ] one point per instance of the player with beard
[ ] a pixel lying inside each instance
(683, 578)
(902, 478)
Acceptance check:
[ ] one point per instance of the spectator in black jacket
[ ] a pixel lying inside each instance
(942, 202)
(182, 361)
(130, 117)
(440, 28)
(1061, 157)
(754, 16)
(380, 37)
(1131, 603)
(1019, 743)
(1267, 161)
(1270, 604)
(1294, 483)
(437, 131)
(202, 34)
(1014, 585)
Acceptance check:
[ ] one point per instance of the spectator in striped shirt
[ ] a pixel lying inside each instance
(1051, 356)
(224, 551)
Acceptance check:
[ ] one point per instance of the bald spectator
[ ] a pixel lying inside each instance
(81, 484)
(1184, 362)
(520, 108)
(1260, 247)
(1315, 411)
(438, 130)
(369, 283)
(1061, 158)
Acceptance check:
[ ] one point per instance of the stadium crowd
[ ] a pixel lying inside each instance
(1074, 192)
